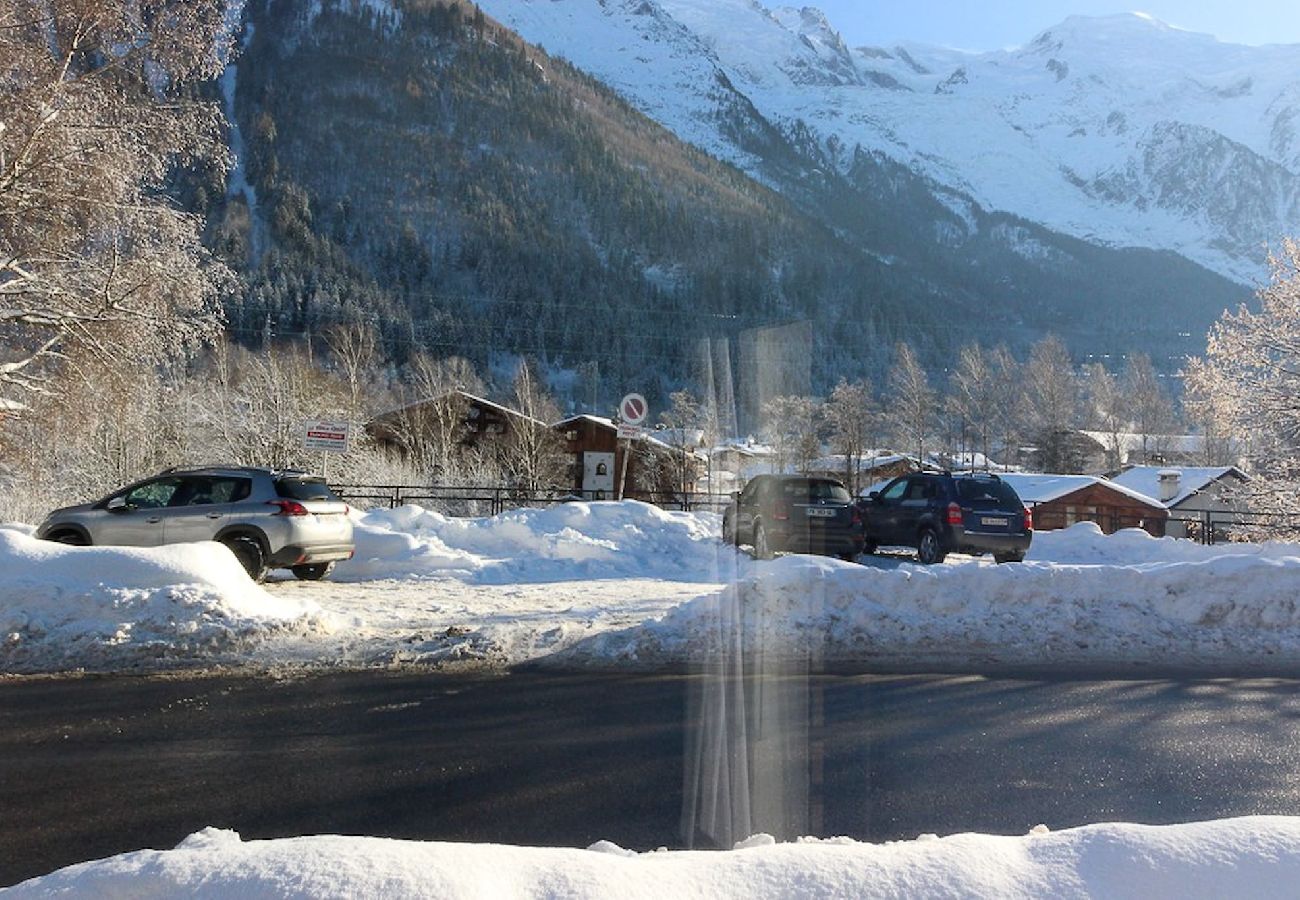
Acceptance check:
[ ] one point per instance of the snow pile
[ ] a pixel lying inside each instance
(109, 607)
(1219, 607)
(1085, 544)
(1256, 856)
(569, 541)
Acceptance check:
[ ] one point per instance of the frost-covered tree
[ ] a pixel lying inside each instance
(973, 397)
(534, 456)
(95, 116)
(790, 426)
(1248, 383)
(687, 424)
(1107, 411)
(912, 408)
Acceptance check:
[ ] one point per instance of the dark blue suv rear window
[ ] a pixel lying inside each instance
(981, 493)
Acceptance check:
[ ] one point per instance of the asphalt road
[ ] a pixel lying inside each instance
(90, 767)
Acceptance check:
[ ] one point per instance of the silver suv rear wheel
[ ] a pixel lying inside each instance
(249, 553)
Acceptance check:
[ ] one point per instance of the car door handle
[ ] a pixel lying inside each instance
(214, 515)
(154, 520)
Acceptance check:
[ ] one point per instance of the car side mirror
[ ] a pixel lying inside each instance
(735, 495)
(874, 496)
(117, 504)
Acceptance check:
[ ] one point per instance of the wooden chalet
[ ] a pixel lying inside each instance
(1059, 501)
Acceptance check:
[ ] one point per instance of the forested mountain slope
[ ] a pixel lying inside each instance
(421, 166)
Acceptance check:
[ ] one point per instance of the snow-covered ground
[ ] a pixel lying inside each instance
(626, 585)
(1246, 857)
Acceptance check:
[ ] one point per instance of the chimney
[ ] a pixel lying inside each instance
(1169, 484)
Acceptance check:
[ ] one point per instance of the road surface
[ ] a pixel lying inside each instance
(94, 766)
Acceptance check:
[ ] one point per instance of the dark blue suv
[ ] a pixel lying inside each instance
(940, 513)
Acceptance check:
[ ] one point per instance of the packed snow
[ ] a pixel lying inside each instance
(1257, 856)
(628, 585)
(118, 607)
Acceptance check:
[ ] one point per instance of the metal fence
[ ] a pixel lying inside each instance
(489, 500)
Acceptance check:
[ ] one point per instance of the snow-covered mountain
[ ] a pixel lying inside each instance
(1118, 130)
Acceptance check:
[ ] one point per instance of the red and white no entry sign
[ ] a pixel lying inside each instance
(633, 409)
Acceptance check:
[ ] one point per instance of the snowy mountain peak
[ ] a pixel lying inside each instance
(1120, 130)
(1114, 31)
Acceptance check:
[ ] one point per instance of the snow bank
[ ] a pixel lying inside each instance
(1085, 544)
(1247, 857)
(105, 607)
(569, 541)
(1239, 608)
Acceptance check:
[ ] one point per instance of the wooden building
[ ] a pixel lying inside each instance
(652, 469)
(1059, 501)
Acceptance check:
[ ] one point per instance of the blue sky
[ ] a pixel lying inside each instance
(1009, 23)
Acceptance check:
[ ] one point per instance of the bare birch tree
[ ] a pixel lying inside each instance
(534, 456)
(1149, 405)
(973, 397)
(1052, 404)
(1108, 411)
(790, 426)
(851, 422)
(912, 406)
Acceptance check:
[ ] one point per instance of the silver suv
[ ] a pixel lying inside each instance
(269, 518)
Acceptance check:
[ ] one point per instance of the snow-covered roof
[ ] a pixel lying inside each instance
(599, 420)
(465, 395)
(1131, 442)
(869, 462)
(647, 435)
(1034, 488)
(1191, 479)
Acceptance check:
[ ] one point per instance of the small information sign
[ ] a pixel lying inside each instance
(325, 437)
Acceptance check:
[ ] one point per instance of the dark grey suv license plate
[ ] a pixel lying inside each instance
(993, 521)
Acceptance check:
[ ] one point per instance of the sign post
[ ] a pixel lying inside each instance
(325, 437)
(632, 412)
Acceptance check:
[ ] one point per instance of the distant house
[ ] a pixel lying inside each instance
(652, 469)
(1058, 501)
(456, 417)
(1176, 450)
(874, 467)
(1191, 493)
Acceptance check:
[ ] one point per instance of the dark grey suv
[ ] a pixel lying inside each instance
(269, 518)
(794, 512)
(940, 513)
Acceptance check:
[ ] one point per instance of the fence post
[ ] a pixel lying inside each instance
(1207, 528)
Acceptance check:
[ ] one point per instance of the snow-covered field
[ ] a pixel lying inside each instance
(626, 585)
(1247, 857)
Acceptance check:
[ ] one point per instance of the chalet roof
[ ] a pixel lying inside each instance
(611, 425)
(1191, 480)
(469, 398)
(1035, 488)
